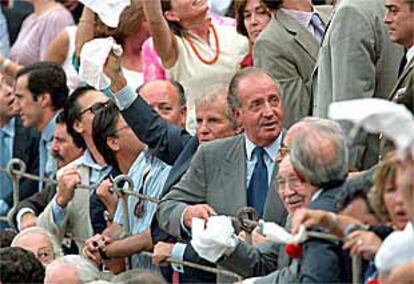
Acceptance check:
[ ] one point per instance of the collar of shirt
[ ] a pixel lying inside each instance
(410, 54)
(271, 150)
(47, 133)
(9, 127)
(301, 17)
(87, 160)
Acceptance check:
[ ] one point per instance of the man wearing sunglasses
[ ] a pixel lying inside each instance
(68, 213)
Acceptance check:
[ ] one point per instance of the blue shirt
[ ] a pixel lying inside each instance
(47, 164)
(4, 36)
(96, 174)
(7, 133)
(149, 175)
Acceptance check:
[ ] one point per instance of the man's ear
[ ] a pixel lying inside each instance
(78, 126)
(45, 100)
(113, 143)
(171, 16)
(237, 117)
(183, 113)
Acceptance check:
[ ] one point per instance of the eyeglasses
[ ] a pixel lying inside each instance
(95, 108)
(292, 182)
(45, 255)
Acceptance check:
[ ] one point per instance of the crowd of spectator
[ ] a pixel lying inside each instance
(192, 141)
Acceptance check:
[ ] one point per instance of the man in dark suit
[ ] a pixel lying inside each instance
(64, 150)
(16, 141)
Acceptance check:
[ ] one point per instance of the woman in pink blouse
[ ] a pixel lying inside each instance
(38, 30)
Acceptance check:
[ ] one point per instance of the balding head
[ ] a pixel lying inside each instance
(167, 99)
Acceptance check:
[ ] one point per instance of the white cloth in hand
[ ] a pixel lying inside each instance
(278, 234)
(378, 115)
(108, 11)
(213, 241)
(92, 61)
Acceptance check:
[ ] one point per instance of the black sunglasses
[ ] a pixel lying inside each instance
(95, 108)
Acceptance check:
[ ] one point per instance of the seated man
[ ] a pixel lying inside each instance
(43, 244)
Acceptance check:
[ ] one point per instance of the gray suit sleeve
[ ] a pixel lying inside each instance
(250, 261)
(277, 61)
(189, 191)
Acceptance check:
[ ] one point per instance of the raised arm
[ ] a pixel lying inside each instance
(164, 40)
(86, 29)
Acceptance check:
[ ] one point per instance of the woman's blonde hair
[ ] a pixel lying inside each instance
(384, 175)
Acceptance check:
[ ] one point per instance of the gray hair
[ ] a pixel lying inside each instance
(232, 97)
(319, 153)
(139, 276)
(216, 92)
(57, 249)
(85, 269)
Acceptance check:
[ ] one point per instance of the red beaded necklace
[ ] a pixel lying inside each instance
(197, 53)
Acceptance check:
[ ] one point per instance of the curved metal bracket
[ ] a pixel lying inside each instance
(16, 164)
(248, 219)
(118, 185)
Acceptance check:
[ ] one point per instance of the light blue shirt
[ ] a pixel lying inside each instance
(270, 158)
(47, 164)
(96, 174)
(7, 133)
(155, 172)
(4, 36)
(122, 99)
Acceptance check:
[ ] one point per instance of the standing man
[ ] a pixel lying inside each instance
(400, 20)
(356, 60)
(16, 141)
(68, 212)
(288, 49)
(41, 92)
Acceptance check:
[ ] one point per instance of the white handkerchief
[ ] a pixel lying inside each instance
(376, 115)
(109, 11)
(213, 241)
(92, 60)
(278, 234)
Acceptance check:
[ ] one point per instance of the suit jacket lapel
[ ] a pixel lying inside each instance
(303, 37)
(400, 80)
(20, 149)
(234, 169)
